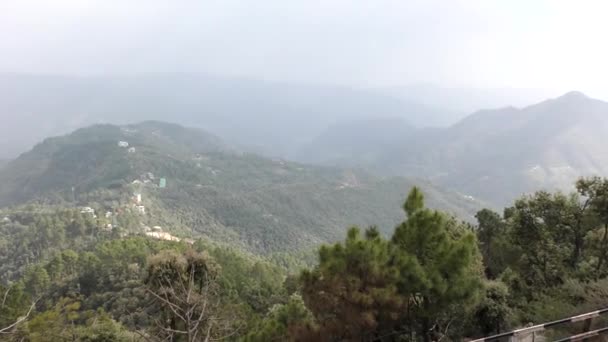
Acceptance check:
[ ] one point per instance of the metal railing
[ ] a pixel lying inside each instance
(524, 333)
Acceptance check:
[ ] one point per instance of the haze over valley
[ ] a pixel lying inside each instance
(544, 145)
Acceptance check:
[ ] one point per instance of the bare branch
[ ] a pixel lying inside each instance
(190, 301)
(5, 296)
(445, 332)
(167, 302)
(20, 320)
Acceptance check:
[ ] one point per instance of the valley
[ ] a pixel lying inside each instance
(93, 220)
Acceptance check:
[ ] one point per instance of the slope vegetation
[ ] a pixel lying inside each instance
(262, 204)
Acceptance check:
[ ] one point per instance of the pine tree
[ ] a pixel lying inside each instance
(371, 289)
(353, 292)
(443, 267)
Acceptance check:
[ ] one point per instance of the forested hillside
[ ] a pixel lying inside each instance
(153, 232)
(260, 204)
(66, 277)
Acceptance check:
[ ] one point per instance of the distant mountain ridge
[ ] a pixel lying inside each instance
(497, 155)
(266, 117)
(461, 101)
(492, 154)
(547, 145)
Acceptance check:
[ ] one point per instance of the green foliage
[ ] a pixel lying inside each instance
(14, 304)
(595, 190)
(548, 250)
(493, 313)
(39, 233)
(494, 243)
(66, 321)
(282, 321)
(263, 205)
(439, 264)
(36, 280)
(368, 287)
(542, 259)
(353, 292)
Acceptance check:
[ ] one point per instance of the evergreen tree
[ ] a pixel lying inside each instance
(442, 268)
(353, 292)
(595, 189)
(369, 289)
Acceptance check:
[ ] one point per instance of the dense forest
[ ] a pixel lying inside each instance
(261, 204)
(65, 277)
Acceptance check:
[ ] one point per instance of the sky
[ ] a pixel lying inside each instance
(552, 44)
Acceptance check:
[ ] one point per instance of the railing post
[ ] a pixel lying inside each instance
(587, 327)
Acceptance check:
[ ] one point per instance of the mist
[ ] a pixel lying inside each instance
(544, 45)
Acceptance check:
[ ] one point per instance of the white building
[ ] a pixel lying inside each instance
(162, 236)
(87, 210)
(131, 150)
(141, 209)
(123, 144)
(137, 198)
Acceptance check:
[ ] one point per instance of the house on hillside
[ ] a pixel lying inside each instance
(87, 210)
(123, 144)
(163, 236)
(131, 150)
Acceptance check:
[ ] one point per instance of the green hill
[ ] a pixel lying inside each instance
(262, 204)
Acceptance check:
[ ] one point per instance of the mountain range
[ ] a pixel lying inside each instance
(211, 189)
(272, 118)
(495, 155)
(457, 102)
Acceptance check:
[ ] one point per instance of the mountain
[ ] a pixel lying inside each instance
(211, 190)
(455, 103)
(495, 155)
(265, 117)
(90, 158)
(500, 154)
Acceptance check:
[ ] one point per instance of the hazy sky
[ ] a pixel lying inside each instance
(550, 44)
